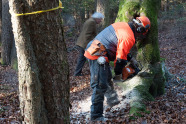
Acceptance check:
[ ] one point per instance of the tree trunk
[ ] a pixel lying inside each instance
(0, 23)
(149, 83)
(165, 5)
(113, 10)
(7, 34)
(102, 7)
(13, 56)
(42, 62)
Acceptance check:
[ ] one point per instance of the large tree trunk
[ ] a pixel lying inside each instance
(0, 22)
(42, 62)
(150, 81)
(7, 34)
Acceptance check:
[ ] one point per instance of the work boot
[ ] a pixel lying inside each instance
(112, 103)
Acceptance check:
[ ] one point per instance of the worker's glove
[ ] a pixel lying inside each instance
(134, 62)
(118, 77)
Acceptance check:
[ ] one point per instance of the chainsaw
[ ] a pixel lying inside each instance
(130, 71)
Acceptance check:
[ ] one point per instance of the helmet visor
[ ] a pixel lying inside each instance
(138, 22)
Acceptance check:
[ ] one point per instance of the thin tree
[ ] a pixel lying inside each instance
(7, 36)
(149, 83)
(102, 6)
(42, 62)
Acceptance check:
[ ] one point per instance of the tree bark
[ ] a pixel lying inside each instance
(102, 7)
(42, 62)
(113, 10)
(7, 34)
(165, 5)
(13, 55)
(0, 21)
(149, 83)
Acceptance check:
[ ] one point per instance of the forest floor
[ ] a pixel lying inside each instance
(168, 108)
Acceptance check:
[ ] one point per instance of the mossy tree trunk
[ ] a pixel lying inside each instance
(42, 62)
(149, 83)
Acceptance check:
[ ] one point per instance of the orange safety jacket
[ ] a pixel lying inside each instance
(118, 39)
(126, 39)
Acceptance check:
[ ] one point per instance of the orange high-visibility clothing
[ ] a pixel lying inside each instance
(126, 39)
(117, 38)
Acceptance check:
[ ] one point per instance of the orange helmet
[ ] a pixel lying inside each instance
(144, 20)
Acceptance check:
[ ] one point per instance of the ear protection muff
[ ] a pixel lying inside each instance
(142, 29)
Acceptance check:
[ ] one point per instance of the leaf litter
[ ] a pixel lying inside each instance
(168, 108)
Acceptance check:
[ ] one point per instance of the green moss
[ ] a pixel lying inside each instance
(162, 59)
(15, 65)
(140, 54)
(136, 108)
(150, 44)
(144, 92)
(2, 62)
(127, 10)
(152, 54)
(159, 79)
(132, 118)
(147, 52)
(153, 89)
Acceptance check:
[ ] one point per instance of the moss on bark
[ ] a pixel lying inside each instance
(127, 10)
(15, 65)
(159, 80)
(148, 84)
(150, 43)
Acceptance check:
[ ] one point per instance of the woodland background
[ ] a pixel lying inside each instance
(168, 108)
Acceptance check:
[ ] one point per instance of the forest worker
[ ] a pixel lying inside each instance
(87, 34)
(113, 43)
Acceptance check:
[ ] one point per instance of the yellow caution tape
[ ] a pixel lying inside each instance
(36, 12)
